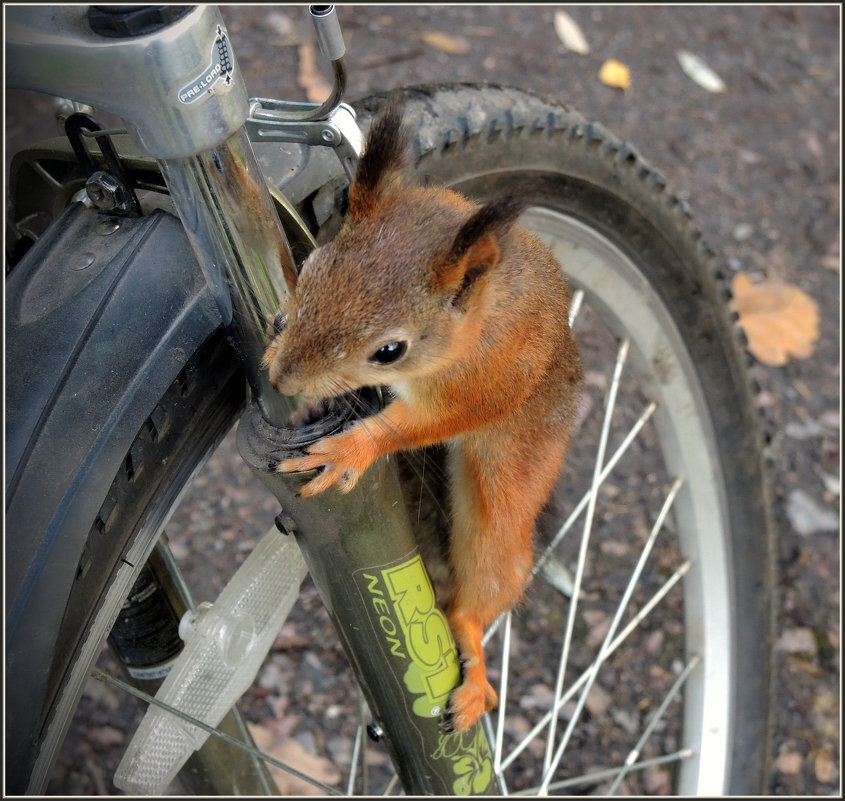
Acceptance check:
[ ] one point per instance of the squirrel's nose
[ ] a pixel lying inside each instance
(283, 377)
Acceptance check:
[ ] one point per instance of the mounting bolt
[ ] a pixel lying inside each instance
(375, 731)
(106, 192)
(285, 523)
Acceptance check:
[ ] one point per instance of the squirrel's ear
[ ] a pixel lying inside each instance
(476, 250)
(382, 158)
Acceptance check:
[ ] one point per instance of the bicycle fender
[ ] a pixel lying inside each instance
(101, 316)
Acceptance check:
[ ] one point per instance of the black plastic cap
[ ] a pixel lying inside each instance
(122, 22)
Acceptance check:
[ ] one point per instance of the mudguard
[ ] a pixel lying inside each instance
(101, 316)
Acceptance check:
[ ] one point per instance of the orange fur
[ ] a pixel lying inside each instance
(491, 368)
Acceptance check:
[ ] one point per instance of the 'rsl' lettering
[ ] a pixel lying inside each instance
(427, 634)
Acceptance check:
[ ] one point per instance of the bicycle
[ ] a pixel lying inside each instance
(158, 401)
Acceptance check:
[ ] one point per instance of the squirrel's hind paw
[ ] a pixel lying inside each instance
(468, 703)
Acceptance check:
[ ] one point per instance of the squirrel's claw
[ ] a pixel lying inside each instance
(332, 476)
(338, 468)
(467, 704)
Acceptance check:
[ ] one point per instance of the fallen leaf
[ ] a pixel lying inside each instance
(825, 767)
(696, 69)
(446, 43)
(780, 320)
(805, 667)
(790, 763)
(317, 89)
(570, 34)
(291, 752)
(614, 73)
(106, 736)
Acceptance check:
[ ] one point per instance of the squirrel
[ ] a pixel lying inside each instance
(463, 315)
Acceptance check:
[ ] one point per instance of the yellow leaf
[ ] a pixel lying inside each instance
(780, 320)
(615, 74)
(445, 43)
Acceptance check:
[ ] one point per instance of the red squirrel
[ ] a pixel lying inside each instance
(463, 315)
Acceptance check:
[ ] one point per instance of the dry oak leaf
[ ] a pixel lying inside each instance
(780, 320)
(290, 752)
(615, 73)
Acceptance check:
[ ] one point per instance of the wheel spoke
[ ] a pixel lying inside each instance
(635, 752)
(356, 752)
(655, 599)
(392, 784)
(611, 632)
(575, 305)
(585, 538)
(503, 697)
(582, 504)
(149, 699)
(585, 499)
(599, 774)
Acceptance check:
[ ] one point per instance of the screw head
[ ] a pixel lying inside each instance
(375, 731)
(105, 191)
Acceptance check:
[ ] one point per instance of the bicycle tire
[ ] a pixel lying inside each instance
(479, 140)
(179, 433)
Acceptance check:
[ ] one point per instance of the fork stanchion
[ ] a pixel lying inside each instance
(363, 558)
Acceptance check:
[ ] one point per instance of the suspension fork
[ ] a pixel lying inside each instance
(189, 112)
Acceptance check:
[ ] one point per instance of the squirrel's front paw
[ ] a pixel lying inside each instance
(342, 461)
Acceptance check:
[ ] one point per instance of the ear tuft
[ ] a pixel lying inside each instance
(494, 217)
(475, 249)
(383, 156)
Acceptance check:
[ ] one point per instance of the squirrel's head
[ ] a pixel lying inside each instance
(400, 292)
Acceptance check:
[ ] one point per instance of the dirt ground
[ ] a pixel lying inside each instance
(760, 165)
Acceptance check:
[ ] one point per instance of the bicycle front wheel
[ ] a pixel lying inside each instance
(653, 676)
(639, 661)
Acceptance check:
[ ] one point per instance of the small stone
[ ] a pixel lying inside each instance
(807, 516)
(598, 701)
(742, 232)
(797, 640)
(538, 697)
(806, 430)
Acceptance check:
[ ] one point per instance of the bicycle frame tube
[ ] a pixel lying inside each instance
(364, 560)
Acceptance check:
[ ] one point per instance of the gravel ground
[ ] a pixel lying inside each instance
(760, 166)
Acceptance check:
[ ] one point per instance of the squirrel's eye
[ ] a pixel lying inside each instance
(387, 354)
